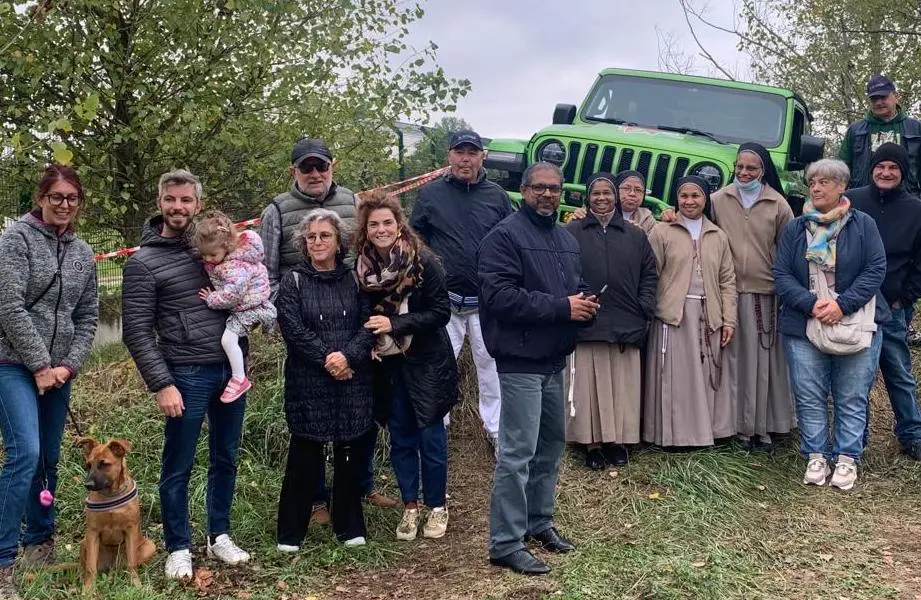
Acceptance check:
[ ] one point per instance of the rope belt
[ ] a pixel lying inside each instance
(128, 493)
(762, 330)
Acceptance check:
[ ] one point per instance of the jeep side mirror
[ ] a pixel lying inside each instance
(810, 150)
(564, 114)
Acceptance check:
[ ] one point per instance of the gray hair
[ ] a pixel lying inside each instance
(315, 216)
(538, 167)
(179, 177)
(832, 168)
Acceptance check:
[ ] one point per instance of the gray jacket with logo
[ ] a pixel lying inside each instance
(49, 305)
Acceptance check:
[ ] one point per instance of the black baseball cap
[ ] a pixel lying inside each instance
(466, 137)
(310, 148)
(880, 85)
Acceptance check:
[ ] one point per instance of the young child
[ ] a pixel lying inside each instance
(233, 261)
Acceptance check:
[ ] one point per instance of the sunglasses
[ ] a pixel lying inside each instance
(306, 167)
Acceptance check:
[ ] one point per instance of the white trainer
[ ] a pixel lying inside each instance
(356, 541)
(287, 548)
(817, 470)
(179, 564)
(845, 475)
(409, 525)
(436, 524)
(226, 551)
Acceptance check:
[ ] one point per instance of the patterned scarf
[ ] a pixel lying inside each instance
(396, 278)
(824, 229)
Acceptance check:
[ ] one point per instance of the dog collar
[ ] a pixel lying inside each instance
(120, 499)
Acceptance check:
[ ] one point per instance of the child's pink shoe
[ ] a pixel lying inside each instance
(235, 388)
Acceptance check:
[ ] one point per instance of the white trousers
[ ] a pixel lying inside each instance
(461, 326)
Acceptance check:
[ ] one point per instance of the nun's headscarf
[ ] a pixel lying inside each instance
(768, 170)
(699, 182)
(594, 179)
(622, 176)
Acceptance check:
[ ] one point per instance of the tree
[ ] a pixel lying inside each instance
(827, 50)
(432, 152)
(128, 89)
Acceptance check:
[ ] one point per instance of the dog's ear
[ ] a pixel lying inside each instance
(87, 444)
(119, 447)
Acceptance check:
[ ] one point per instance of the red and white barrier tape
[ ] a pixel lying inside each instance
(405, 186)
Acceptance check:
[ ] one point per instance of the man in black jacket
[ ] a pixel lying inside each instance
(175, 340)
(898, 216)
(531, 301)
(452, 215)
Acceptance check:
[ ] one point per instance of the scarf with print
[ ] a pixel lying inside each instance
(395, 277)
(824, 228)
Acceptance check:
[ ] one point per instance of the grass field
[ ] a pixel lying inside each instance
(710, 524)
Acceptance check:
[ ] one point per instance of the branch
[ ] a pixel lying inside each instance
(703, 50)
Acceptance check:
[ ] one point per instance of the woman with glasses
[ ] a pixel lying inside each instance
(603, 412)
(48, 316)
(631, 191)
(753, 212)
(321, 313)
(687, 401)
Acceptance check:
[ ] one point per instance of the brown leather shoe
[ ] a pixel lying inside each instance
(319, 515)
(376, 498)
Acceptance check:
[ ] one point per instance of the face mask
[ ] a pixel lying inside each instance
(752, 186)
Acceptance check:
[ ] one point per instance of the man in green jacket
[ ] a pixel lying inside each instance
(884, 122)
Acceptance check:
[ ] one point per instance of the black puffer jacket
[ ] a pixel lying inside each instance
(428, 370)
(617, 256)
(320, 312)
(164, 320)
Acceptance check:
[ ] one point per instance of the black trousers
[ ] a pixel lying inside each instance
(305, 460)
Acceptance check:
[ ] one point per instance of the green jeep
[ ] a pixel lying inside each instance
(664, 126)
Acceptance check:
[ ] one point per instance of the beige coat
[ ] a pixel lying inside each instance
(753, 234)
(642, 218)
(674, 250)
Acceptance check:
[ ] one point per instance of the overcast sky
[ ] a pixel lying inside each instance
(524, 56)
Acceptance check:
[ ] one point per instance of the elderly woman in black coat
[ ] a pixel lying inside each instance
(321, 312)
(416, 376)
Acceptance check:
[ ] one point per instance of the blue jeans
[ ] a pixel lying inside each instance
(32, 427)
(367, 484)
(532, 435)
(409, 444)
(814, 376)
(895, 363)
(201, 387)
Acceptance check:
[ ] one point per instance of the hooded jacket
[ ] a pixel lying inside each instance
(164, 321)
(282, 216)
(866, 135)
(452, 217)
(897, 214)
(240, 281)
(48, 297)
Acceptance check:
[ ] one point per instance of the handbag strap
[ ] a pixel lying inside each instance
(818, 285)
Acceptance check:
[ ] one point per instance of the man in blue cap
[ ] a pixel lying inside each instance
(884, 122)
(452, 215)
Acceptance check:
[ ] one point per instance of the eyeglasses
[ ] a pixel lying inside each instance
(626, 189)
(58, 199)
(540, 188)
(306, 167)
(323, 236)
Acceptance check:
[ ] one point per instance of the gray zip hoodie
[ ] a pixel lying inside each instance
(49, 305)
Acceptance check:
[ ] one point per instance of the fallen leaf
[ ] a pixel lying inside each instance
(203, 579)
(655, 496)
(342, 589)
(612, 474)
(29, 577)
(887, 558)
(628, 525)
(699, 564)
(244, 595)
(826, 557)
(281, 584)
(760, 488)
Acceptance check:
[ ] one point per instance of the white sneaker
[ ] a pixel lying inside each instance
(226, 551)
(356, 541)
(179, 564)
(409, 525)
(845, 475)
(817, 470)
(436, 524)
(493, 439)
(287, 548)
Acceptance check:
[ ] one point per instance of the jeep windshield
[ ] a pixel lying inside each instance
(727, 114)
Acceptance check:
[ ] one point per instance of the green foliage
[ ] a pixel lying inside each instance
(827, 50)
(127, 90)
(432, 152)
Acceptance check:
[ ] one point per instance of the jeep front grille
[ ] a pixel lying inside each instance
(659, 168)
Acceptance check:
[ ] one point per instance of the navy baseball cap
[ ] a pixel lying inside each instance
(466, 137)
(880, 85)
(310, 148)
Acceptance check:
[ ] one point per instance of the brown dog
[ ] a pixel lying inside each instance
(113, 514)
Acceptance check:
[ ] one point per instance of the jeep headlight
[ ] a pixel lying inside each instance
(710, 173)
(552, 151)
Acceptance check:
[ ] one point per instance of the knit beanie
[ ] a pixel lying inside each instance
(892, 152)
